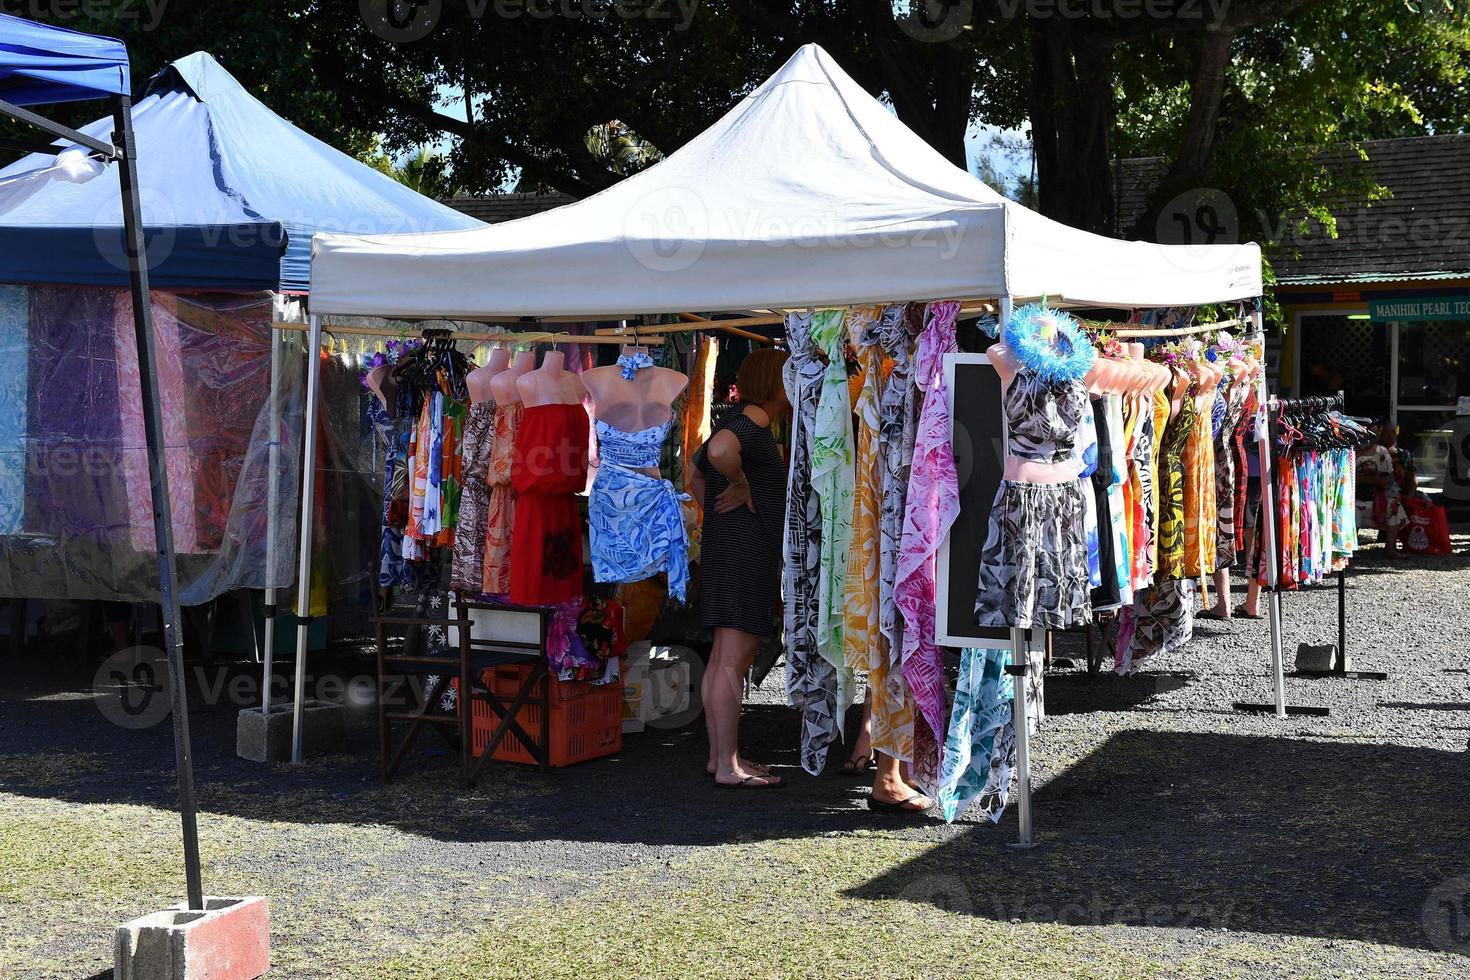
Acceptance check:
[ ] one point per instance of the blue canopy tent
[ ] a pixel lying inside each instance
(38, 65)
(41, 65)
(221, 177)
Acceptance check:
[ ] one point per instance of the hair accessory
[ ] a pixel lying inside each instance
(1068, 357)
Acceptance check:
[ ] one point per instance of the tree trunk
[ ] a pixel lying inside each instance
(1071, 113)
(1190, 168)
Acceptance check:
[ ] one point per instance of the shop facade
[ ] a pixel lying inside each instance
(1381, 312)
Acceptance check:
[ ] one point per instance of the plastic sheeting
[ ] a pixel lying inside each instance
(75, 505)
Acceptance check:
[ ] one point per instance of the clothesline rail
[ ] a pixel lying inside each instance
(522, 337)
(740, 326)
(1125, 331)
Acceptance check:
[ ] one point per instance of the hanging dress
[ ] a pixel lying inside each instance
(1034, 565)
(1171, 490)
(468, 570)
(551, 451)
(500, 512)
(635, 521)
(1199, 495)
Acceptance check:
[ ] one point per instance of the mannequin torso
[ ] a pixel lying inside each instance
(503, 385)
(478, 380)
(644, 401)
(551, 383)
(380, 381)
(1025, 470)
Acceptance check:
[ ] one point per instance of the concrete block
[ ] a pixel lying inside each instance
(228, 940)
(1315, 659)
(268, 739)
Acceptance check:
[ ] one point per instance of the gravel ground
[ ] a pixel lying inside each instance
(1177, 837)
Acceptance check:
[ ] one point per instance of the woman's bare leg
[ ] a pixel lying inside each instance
(726, 683)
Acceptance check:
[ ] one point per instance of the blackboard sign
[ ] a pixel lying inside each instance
(978, 438)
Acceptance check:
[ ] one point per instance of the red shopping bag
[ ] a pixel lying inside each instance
(1428, 530)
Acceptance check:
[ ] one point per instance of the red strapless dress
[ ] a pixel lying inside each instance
(550, 468)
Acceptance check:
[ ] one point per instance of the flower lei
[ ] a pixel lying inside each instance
(396, 349)
(1066, 358)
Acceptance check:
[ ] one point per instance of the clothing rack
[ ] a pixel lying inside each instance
(1341, 664)
(1021, 668)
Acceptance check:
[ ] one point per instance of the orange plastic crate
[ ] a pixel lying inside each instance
(586, 721)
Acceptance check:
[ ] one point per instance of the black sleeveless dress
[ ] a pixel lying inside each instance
(740, 552)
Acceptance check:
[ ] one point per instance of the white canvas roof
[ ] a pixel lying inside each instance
(808, 193)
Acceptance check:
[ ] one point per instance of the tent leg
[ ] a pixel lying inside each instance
(163, 534)
(303, 568)
(1020, 671)
(272, 496)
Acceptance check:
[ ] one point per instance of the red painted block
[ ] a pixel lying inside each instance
(229, 940)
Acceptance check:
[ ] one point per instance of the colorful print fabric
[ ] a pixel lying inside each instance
(980, 746)
(469, 532)
(14, 376)
(892, 704)
(832, 480)
(933, 504)
(500, 515)
(635, 521)
(860, 592)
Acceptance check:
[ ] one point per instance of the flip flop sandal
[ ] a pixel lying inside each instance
(1211, 614)
(859, 764)
(899, 807)
(749, 782)
(1240, 613)
(710, 775)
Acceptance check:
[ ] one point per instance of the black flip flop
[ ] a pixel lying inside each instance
(859, 765)
(1211, 614)
(1240, 613)
(749, 782)
(900, 807)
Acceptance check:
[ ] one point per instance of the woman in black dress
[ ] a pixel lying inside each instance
(744, 492)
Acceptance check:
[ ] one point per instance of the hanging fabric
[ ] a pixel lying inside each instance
(468, 571)
(811, 682)
(980, 747)
(933, 504)
(860, 588)
(832, 479)
(892, 703)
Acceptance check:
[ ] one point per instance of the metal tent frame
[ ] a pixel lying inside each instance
(123, 151)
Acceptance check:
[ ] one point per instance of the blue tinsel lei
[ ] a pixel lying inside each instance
(1068, 358)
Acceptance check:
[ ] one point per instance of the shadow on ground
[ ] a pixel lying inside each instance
(1266, 835)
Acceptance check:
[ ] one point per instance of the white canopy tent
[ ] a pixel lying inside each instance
(808, 193)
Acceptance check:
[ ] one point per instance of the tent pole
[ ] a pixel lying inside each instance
(272, 496)
(1020, 672)
(1266, 532)
(308, 511)
(168, 599)
(1268, 525)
